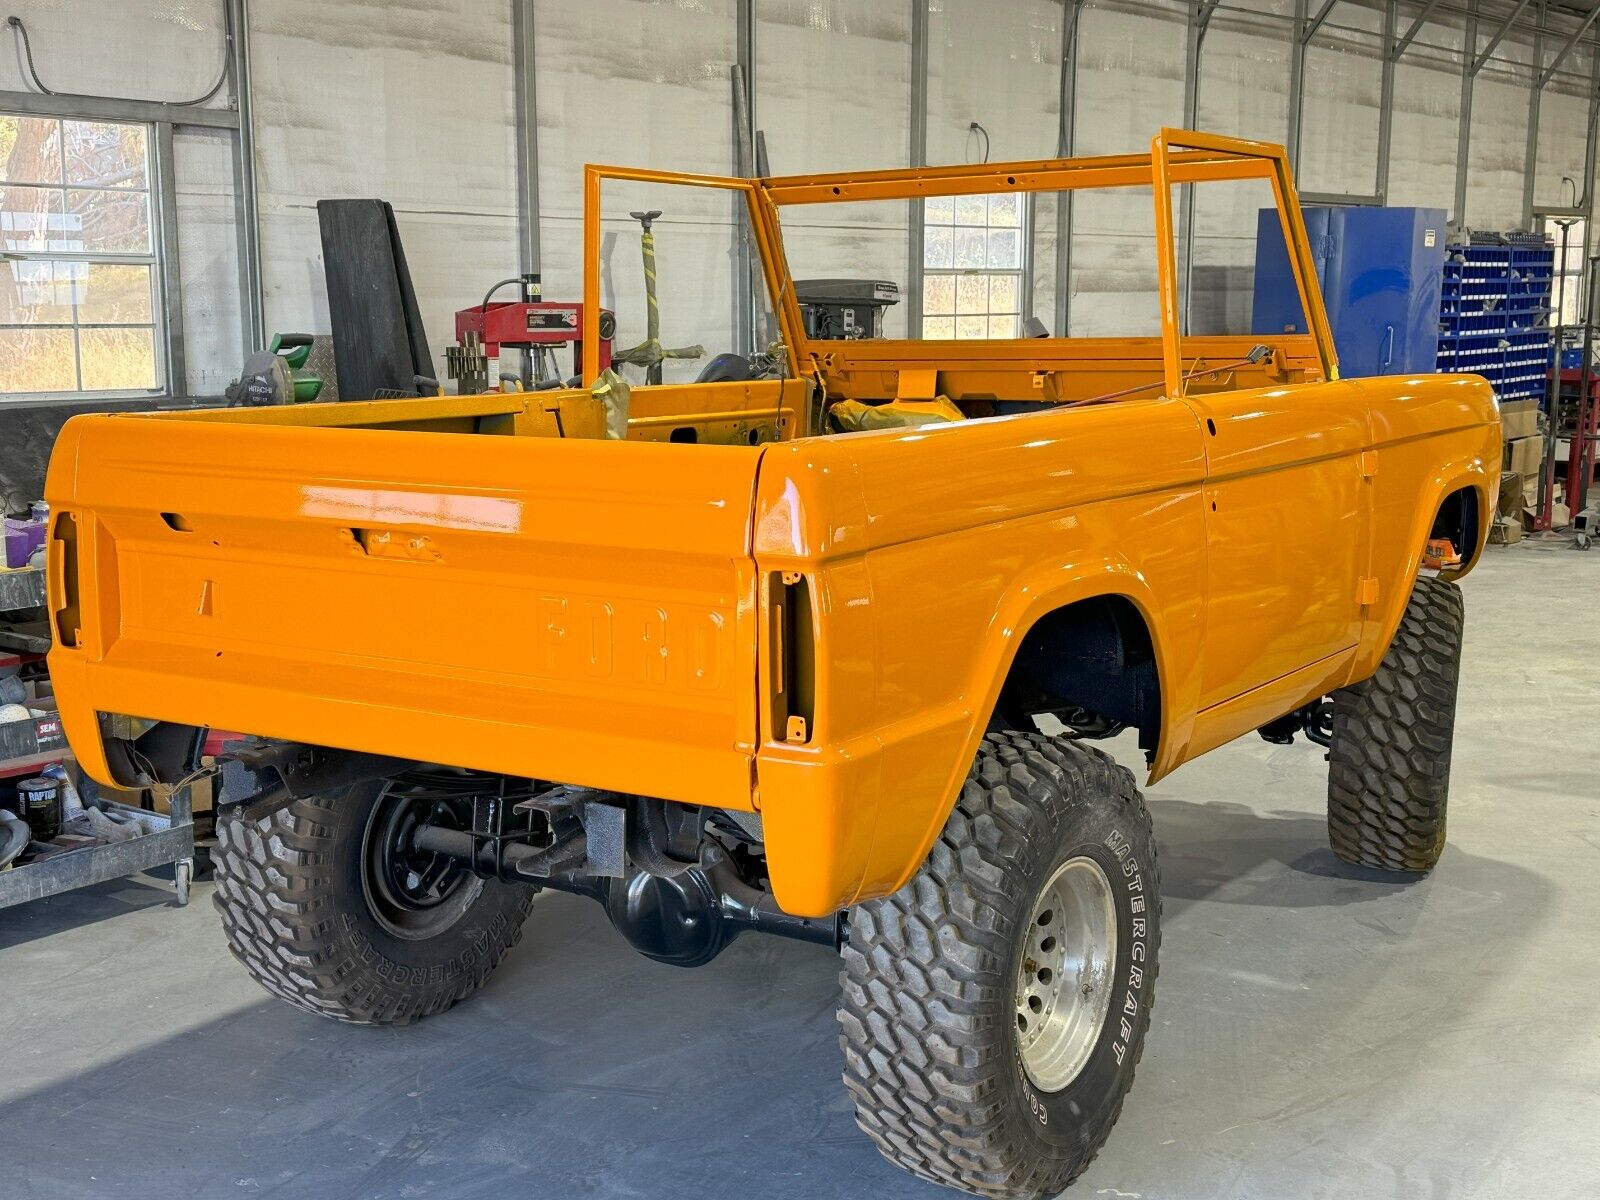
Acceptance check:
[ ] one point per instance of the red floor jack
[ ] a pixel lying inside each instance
(1580, 394)
(1574, 392)
(532, 327)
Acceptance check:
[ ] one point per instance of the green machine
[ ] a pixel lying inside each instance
(277, 375)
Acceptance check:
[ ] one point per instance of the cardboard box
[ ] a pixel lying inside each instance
(1525, 455)
(1519, 419)
(1511, 498)
(1560, 516)
(1505, 532)
(200, 796)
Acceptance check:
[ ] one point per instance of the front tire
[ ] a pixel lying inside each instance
(323, 915)
(1039, 903)
(1389, 758)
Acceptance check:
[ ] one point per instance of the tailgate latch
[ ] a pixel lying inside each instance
(391, 543)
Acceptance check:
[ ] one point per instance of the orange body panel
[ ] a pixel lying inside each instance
(539, 601)
(453, 579)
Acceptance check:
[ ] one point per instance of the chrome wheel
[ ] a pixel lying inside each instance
(1064, 979)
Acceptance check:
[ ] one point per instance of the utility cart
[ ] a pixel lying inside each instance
(27, 747)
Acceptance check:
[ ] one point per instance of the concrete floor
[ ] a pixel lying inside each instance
(1319, 1032)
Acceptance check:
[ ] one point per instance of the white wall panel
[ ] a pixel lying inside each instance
(1562, 116)
(138, 49)
(1427, 113)
(1244, 79)
(208, 248)
(1130, 63)
(1130, 84)
(1344, 79)
(833, 83)
(409, 102)
(1498, 151)
(998, 65)
(833, 93)
(1244, 91)
(1114, 265)
(641, 83)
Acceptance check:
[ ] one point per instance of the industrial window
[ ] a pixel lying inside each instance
(972, 266)
(1567, 296)
(78, 264)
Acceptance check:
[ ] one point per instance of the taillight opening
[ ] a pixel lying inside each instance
(794, 658)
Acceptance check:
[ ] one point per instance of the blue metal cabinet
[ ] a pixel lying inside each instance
(1381, 271)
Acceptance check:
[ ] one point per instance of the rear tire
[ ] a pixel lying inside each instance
(309, 910)
(944, 1048)
(1389, 759)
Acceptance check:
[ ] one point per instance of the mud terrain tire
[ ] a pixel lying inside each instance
(300, 912)
(934, 977)
(1389, 760)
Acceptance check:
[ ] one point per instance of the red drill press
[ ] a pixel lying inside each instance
(533, 328)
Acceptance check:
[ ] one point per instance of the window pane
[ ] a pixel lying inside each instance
(108, 222)
(37, 292)
(118, 359)
(1005, 210)
(970, 248)
(37, 360)
(972, 293)
(1003, 294)
(938, 327)
(30, 219)
(939, 295)
(1005, 248)
(1568, 304)
(103, 154)
(938, 247)
(972, 210)
(113, 294)
(1003, 327)
(972, 327)
(940, 210)
(30, 150)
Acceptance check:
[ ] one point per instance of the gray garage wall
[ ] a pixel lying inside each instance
(414, 101)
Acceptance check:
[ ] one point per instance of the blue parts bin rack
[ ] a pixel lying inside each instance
(1494, 318)
(1382, 275)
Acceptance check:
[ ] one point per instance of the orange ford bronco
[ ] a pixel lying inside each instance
(732, 668)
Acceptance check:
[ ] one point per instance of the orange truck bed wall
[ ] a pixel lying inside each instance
(561, 609)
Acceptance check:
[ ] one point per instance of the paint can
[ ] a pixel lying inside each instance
(39, 804)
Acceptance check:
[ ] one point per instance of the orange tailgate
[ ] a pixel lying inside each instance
(562, 609)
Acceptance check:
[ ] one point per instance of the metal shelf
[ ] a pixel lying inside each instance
(1496, 292)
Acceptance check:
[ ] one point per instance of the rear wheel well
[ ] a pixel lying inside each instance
(1092, 666)
(1457, 520)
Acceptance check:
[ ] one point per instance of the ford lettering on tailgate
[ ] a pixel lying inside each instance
(587, 637)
